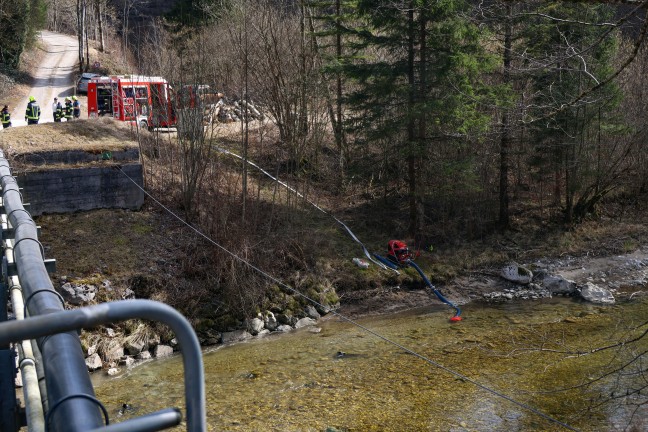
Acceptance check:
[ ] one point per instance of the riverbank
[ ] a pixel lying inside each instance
(143, 255)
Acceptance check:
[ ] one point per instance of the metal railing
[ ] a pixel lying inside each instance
(68, 398)
(90, 316)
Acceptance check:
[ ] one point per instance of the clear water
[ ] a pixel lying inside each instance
(346, 378)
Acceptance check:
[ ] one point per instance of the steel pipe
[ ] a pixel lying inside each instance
(147, 423)
(63, 362)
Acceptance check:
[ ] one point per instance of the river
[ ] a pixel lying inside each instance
(344, 378)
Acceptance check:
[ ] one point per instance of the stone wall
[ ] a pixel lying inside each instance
(84, 188)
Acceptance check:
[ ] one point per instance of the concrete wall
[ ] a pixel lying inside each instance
(84, 188)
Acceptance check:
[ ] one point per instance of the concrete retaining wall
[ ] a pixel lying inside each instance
(83, 188)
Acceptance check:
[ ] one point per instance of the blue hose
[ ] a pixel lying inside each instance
(409, 262)
(434, 290)
(389, 263)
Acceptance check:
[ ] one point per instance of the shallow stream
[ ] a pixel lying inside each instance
(345, 378)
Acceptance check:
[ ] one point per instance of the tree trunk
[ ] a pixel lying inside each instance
(244, 122)
(303, 104)
(421, 113)
(85, 33)
(411, 125)
(81, 37)
(505, 142)
(100, 25)
(334, 113)
(340, 139)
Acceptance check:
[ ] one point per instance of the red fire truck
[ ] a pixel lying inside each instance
(144, 100)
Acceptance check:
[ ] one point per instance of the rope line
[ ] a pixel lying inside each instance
(351, 321)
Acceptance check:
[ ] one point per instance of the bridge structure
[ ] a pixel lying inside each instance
(39, 340)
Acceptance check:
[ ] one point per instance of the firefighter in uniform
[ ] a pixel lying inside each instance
(76, 105)
(5, 117)
(68, 109)
(33, 112)
(57, 110)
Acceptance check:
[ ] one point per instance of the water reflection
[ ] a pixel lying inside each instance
(348, 379)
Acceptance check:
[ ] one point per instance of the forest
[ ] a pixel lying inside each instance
(461, 115)
(426, 120)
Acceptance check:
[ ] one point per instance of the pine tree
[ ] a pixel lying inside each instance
(19, 22)
(566, 56)
(420, 87)
(334, 20)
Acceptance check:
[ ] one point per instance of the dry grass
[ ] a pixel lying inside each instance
(87, 135)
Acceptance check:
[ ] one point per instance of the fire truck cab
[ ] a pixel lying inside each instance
(143, 100)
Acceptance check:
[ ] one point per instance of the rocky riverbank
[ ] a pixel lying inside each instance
(602, 280)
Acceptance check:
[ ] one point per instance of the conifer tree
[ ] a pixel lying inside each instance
(19, 22)
(419, 89)
(334, 18)
(567, 55)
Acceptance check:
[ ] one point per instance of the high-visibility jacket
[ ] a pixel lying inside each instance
(5, 118)
(58, 112)
(32, 115)
(68, 110)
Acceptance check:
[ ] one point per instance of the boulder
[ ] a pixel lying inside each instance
(127, 361)
(305, 322)
(596, 294)
(78, 295)
(286, 319)
(235, 336)
(162, 351)
(311, 312)
(255, 325)
(134, 346)
(144, 355)
(113, 351)
(93, 362)
(515, 273)
(91, 350)
(556, 284)
(283, 328)
(270, 321)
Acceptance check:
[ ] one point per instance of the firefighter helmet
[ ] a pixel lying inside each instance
(32, 98)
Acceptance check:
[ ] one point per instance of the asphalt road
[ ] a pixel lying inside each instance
(53, 78)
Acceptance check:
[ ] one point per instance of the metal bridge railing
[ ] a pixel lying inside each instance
(68, 397)
(90, 316)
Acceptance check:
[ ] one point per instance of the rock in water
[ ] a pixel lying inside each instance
(596, 294)
(516, 273)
